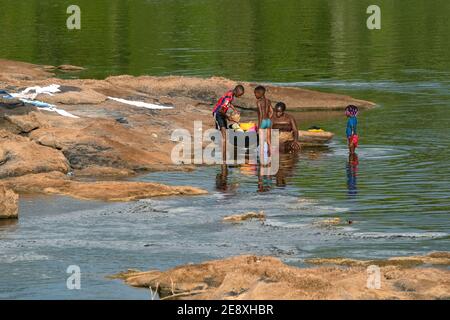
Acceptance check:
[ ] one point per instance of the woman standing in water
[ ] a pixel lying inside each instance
(287, 126)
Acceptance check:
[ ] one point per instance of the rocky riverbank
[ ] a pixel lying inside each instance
(261, 278)
(39, 148)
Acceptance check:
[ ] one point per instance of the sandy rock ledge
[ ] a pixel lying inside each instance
(9, 208)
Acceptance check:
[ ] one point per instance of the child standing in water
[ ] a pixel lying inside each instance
(265, 113)
(352, 136)
(220, 114)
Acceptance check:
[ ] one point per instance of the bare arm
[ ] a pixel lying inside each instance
(260, 110)
(269, 109)
(233, 107)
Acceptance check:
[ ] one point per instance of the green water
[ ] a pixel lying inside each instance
(398, 195)
(261, 40)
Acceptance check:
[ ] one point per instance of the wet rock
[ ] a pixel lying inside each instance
(60, 184)
(261, 278)
(328, 222)
(245, 216)
(9, 208)
(104, 143)
(68, 67)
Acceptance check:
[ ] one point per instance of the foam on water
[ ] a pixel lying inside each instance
(372, 152)
(393, 235)
(21, 257)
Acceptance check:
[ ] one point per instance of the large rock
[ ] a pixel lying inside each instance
(22, 123)
(15, 70)
(264, 278)
(208, 90)
(60, 184)
(8, 204)
(245, 216)
(19, 156)
(105, 143)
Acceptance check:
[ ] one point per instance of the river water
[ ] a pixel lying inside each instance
(396, 194)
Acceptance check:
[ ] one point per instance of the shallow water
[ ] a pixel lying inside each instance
(397, 194)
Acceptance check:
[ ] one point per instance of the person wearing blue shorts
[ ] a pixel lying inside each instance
(266, 124)
(265, 113)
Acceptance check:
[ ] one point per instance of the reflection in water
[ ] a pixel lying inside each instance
(222, 178)
(264, 181)
(352, 170)
(8, 224)
(288, 164)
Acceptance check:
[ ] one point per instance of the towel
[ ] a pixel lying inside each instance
(33, 92)
(49, 107)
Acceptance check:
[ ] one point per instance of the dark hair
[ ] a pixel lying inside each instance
(239, 87)
(281, 105)
(351, 110)
(260, 89)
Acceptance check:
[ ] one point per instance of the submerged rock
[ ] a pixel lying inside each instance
(264, 278)
(9, 208)
(330, 222)
(68, 67)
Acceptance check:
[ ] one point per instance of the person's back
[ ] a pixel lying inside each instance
(264, 108)
(265, 113)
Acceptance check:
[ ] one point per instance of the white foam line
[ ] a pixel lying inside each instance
(412, 235)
